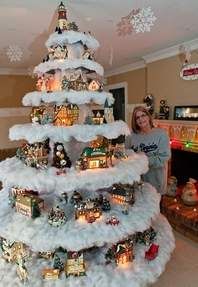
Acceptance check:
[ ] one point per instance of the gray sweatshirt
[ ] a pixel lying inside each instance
(156, 146)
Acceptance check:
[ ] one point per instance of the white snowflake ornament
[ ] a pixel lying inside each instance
(144, 20)
(14, 53)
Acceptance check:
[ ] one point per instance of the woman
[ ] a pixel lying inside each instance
(154, 142)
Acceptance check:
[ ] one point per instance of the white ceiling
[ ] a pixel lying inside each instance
(28, 23)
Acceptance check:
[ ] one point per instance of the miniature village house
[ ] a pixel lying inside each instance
(75, 264)
(94, 158)
(10, 250)
(124, 253)
(94, 85)
(88, 210)
(50, 273)
(66, 115)
(98, 117)
(34, 155)
(17, 191)
(41, 115)
(29, 205)
(37, 114)
(123, 193)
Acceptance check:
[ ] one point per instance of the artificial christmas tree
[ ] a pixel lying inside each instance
(94, 205)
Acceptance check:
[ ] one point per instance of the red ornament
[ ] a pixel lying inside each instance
(112, 221)
(152, 252)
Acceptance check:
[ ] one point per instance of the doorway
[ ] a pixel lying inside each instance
(119, 92)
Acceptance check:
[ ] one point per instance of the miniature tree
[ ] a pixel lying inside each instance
(69, 153)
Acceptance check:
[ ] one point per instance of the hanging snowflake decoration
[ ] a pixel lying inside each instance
(14, 53)
(144, 20)
(138, 20)
(124, 27)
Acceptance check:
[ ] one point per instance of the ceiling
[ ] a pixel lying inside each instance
(28, 24)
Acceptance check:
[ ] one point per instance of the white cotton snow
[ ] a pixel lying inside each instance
(82, 133)
(139, 273)
(71, 37)
(13, 172)
(74, 97)
(68, 64)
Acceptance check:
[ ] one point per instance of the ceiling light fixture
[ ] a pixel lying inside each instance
(138, 20)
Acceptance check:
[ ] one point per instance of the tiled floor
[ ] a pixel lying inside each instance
(182, 269)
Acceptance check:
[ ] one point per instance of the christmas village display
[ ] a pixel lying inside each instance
(73, 207)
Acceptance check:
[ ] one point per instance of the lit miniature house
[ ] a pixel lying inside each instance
(88, 210)
(75, 264)
(62, 17)
(40, 115)
(94, 85)
(121, 253)
(14, 192)
(59, 52)
(29, 205)
(123, 193)
(34, 155)
(97, 117)
(124, 253)
(50, 273)
(93, 158)
(37, 114)
(10, 250)
(66, 115)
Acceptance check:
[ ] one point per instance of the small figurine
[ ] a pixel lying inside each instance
(106, 206)
(164, 110)
(149, 101)
(171, 186)
(146, 237)
(125, 209)
(119, 151)
(76, 198)
(112, 220)
(189, 194)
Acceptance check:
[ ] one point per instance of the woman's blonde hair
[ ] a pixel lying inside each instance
(134, 126)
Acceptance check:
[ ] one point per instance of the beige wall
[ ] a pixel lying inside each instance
(12, 90)
(160, 78)
(164, 82)
(136, 84)
(5, 124)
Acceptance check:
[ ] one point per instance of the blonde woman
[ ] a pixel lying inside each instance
(154, 142)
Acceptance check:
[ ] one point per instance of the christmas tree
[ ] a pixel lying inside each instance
(73, 204)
